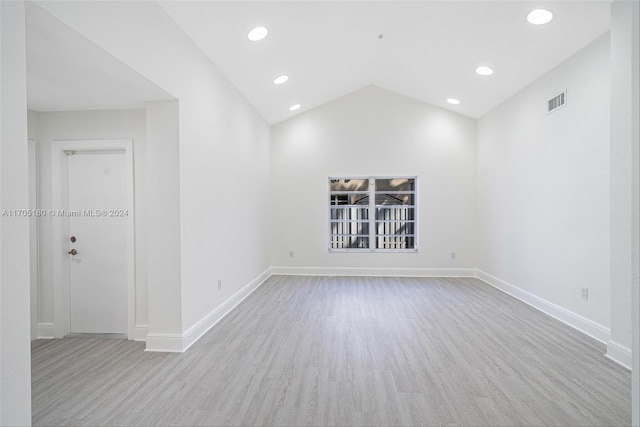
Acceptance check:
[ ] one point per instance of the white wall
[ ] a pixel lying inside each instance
(33, 224)
(625, 188)
(621, 172)
(223, 152)
(15, 351)
(46, 127)
(543, 187)
(163, 254)
(635, 137)
(374, 132)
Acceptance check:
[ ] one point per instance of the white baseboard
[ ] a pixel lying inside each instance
(380, 272)
(584, 325)
(45, 331)
(165, 343)
(180, 343)
(619, 354)
(194, 333)
(140, 332)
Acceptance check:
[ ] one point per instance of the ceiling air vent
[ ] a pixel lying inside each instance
(557, 102)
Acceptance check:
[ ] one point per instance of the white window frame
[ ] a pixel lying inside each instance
(371, 218)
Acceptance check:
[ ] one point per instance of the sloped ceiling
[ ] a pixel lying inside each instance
(427, 50)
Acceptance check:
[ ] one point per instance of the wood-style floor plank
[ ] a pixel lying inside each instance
(345, 351)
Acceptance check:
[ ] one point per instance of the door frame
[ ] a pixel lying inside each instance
(34, 239)
(60, 228)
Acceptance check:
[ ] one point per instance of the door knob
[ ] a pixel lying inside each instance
(73, 252)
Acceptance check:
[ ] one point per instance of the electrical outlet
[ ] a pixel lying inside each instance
(584, 292)
(219, 284)
(290, 254)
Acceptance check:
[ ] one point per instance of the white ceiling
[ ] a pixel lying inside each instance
(429, 49)
(66, 72)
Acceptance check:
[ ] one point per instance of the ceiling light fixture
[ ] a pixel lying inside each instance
(258, 33)
(539, 16)
(453, 101)
(484, 71)
(280, 79)
(294, 107)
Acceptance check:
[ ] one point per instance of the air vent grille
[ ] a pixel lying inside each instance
(557, 102)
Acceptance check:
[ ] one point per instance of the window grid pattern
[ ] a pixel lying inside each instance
(372, 214)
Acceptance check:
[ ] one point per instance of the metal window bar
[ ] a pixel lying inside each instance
(395, 224)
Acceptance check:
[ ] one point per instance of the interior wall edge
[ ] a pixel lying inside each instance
(15, 283)
(140, 332)
(45, 331)
(619, 354)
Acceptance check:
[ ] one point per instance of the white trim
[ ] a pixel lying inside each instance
(381, 272)
(180, 343)
(166, 343)
(45, 331)
(582, 324)
(619, 354)
(61, 309)
(34, 226)
(140, 332)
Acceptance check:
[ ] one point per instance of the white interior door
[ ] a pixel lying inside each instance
(97, 214)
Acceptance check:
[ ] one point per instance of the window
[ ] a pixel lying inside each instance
(372, 214)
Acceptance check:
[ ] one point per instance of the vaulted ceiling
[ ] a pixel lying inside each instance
(427, 50)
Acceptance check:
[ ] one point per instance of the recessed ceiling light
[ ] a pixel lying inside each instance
(484, 71)
(539, 16)
(294, 107)
(258, 33)
(453, 101)
(281, 79)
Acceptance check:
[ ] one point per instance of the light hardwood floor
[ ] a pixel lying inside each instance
(348, 351)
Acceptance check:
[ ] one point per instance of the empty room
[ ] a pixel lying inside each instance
(323, 213)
